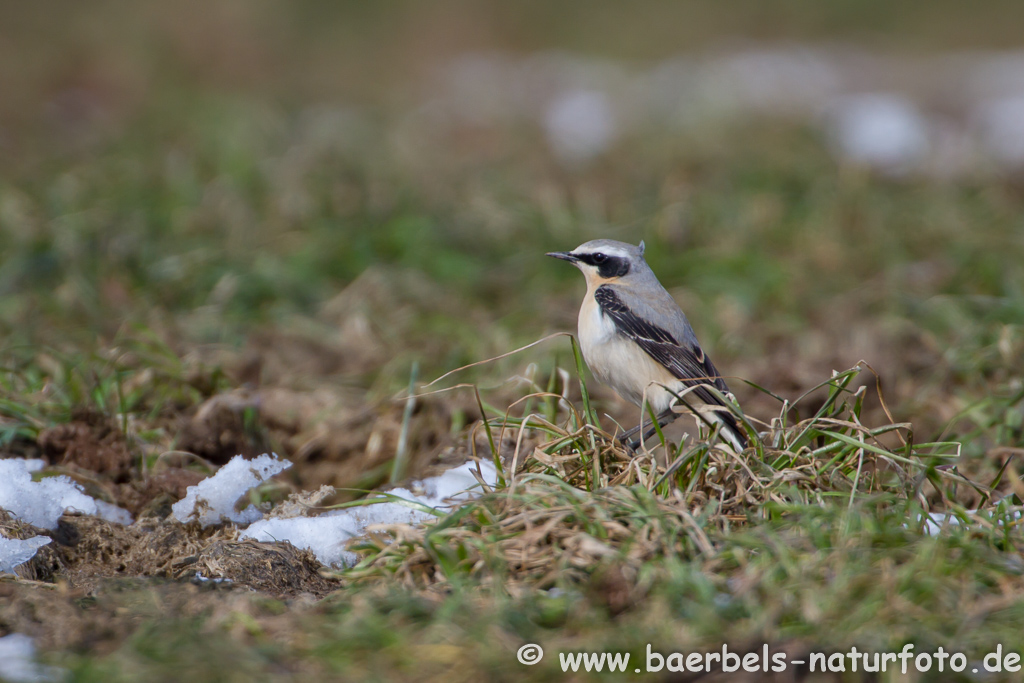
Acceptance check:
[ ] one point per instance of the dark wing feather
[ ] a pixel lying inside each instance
(689, 364)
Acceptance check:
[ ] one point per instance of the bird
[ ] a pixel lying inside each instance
(636, 339)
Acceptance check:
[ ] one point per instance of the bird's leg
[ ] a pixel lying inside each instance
(664, 418)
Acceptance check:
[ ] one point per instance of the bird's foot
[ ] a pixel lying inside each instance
(627, 441)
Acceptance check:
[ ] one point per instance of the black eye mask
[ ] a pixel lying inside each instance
(607, 266)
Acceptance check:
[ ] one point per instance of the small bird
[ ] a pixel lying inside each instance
(636, 340)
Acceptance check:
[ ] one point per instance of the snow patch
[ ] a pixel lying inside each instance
(14, 551)
(580, 125)
(40, 503)
(1001, 123)
(884, 131)
(113, 513)
(327, 535)
(212, 500)
(17, 661)
(935, 522)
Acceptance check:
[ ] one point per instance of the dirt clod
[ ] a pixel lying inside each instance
(276, 568)
(225, 426)
(87, 550)
(154, 495)
(90, 443)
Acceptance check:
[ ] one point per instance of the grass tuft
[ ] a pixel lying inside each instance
(575, 501)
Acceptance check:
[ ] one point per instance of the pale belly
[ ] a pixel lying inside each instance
(619, 363)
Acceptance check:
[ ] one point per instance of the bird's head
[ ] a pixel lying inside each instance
(605, 260)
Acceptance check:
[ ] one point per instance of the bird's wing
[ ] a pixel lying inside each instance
(686, 361)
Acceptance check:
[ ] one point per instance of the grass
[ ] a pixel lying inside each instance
(575, 496)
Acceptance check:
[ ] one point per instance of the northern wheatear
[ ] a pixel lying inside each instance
(636, 340)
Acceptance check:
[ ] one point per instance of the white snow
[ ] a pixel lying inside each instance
(785, 81)
(199, 578)
(936, 521)
(212, 500)
(113, 513)
(884, 131)
(14, 551)
(40, 503)
(580, 124)
(328, 534)
(325, 536)
(1001, 124)
(17, 661)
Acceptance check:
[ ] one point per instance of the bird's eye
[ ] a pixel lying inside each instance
(599, 258)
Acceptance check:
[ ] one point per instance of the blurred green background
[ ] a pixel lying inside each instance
(201, 171)
(205, 168)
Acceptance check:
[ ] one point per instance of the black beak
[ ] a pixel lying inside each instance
(564, 255)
